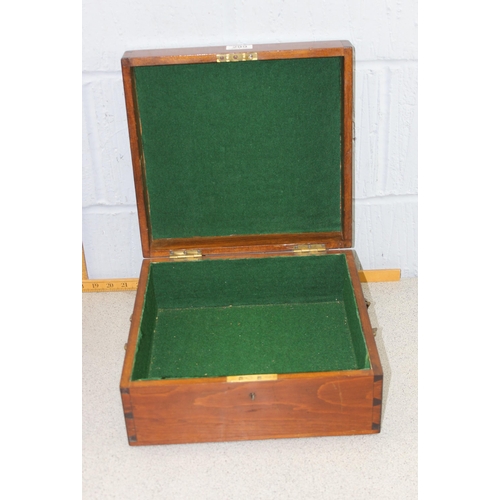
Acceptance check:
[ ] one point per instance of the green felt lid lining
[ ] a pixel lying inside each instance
(242, 148)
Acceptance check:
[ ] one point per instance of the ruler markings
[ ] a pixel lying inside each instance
(125, 285)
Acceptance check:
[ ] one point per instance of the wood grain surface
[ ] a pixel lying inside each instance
(138, 164)
(288, 407)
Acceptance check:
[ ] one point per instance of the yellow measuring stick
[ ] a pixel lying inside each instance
(124, 285)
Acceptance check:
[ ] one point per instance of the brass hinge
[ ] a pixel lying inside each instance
(190, 254)
(237, 57)
(310, 248)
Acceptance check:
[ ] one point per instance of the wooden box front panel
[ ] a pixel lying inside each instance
(337, 404)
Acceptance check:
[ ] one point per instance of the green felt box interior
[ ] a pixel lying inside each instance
(214, 318)
(242, 148)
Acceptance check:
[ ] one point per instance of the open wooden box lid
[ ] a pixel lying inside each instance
(245, 157)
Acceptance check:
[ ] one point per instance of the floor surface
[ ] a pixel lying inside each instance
(380, 466)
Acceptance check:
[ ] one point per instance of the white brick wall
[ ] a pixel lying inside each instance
(384, 33)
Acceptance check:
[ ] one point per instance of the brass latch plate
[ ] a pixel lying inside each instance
(252, 378)
(237, 57)
(310, 248)
(190, 254)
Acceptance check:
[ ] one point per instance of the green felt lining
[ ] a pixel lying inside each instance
(214, 318)
(142, 359)
(242, 148)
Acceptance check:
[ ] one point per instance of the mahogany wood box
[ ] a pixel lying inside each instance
(249, 320)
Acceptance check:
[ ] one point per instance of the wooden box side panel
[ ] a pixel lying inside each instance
(347, 148)
(135, 325)
(285, 408)
(370, 342)
(363, 314)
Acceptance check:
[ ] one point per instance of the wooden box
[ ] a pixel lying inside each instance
(249, 321)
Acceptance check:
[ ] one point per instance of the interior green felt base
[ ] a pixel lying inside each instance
(243, 148)
(249, 316)
(249, 339)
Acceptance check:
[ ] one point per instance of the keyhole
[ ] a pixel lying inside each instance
(252, 396)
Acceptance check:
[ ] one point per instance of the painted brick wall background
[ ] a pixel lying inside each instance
(384, 34)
